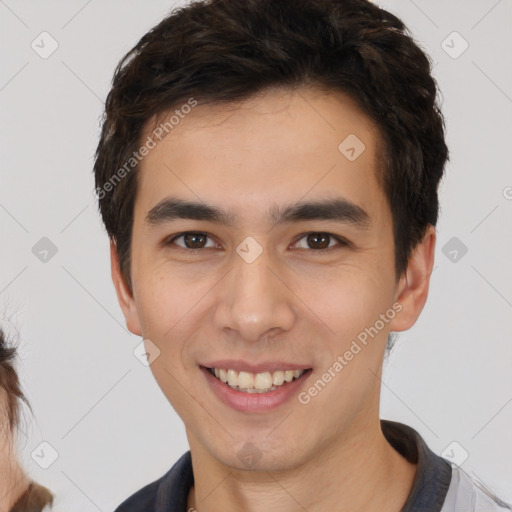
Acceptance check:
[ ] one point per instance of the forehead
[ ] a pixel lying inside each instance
(275, 148)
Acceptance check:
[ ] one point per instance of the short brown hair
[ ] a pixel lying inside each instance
(220, 51)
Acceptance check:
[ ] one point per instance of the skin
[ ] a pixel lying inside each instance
(292, 303)
(13, 480)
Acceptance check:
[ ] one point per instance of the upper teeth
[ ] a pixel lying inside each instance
(262, 381)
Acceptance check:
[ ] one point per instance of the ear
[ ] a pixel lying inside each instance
(124, 294)
(412, 289)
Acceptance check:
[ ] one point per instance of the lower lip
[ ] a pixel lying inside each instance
(254, 402)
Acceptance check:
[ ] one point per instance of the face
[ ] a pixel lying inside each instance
(252, 281)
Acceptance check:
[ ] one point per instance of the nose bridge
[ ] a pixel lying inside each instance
(254, 301)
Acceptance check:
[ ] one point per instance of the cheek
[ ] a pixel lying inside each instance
(171, 304)
(173, 383)
(163, 295)
(161, 306)
(346, 299)
(352, 307)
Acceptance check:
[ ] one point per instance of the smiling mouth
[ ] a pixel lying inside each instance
(264, 382)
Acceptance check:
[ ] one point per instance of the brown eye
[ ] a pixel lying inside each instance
(191, 240)
(194, 240)
(320, 241)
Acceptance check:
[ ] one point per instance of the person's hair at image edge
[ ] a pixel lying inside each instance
(11, 396)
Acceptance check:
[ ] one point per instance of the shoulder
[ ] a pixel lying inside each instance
(143, 500)
(168, 492)
(468, 495)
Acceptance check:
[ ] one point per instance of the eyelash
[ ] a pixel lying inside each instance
(341, 241)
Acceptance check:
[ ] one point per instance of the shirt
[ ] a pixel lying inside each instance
(437, 486)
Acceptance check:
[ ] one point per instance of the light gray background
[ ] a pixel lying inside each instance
(449, 377)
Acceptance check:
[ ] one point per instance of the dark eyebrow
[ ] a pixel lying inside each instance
(172, 208)
(339, 209)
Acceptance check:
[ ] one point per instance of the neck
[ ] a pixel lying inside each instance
(363, 472)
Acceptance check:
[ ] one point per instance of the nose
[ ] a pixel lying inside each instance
(255, 302)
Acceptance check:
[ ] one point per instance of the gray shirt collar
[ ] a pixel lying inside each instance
(428, 492)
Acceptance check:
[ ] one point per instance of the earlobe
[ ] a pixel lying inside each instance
(412, 289)
(124, 294)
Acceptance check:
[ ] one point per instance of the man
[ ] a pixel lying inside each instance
(267, 174)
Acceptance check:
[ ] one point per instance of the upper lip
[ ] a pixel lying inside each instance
(244, 366)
